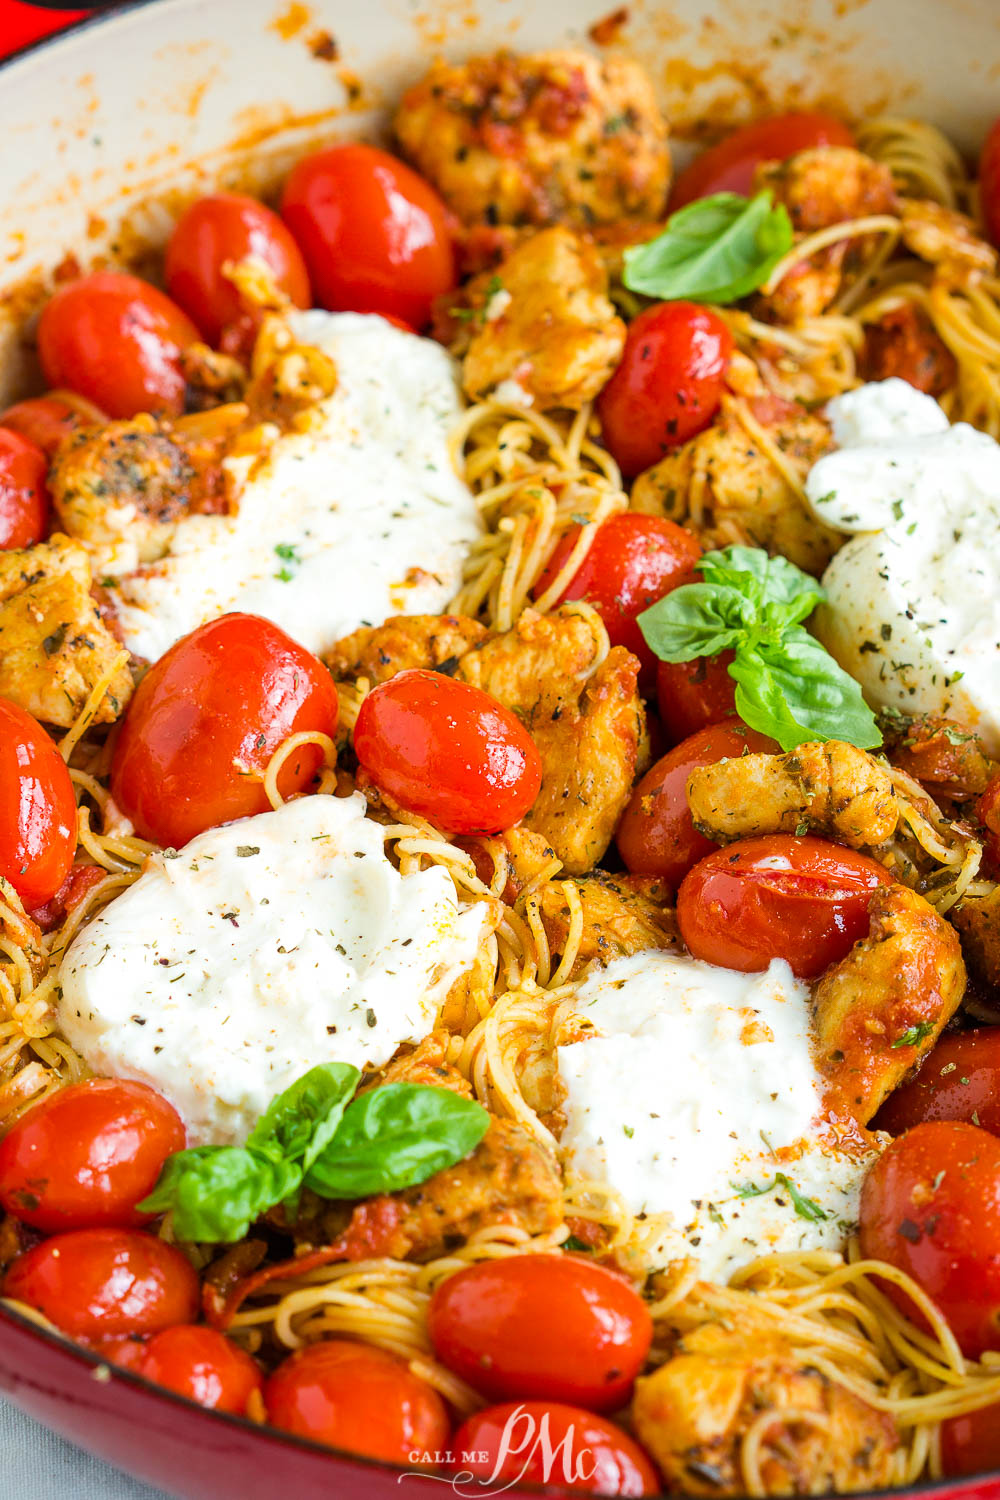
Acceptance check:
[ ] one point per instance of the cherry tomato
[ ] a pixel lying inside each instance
(550, 1326)
(75, 888)
(105, 1283)
(958, 1081)
(449, 752)
(24, 495)
(633, 561)
(729, 167)
(988, 810)
(202, 1364)
(693, 694)
(84, 1157)
(127, 1353)
(777, 896)
(37, 808)
(46, 420)
(971, 1444)
(931, 1207)
(229, 227)
(989, 183)
(374, 234)
(118, 341)
(656, 835)
(205, 721)
(357, 1398)
(546, 1443)
(668, 386)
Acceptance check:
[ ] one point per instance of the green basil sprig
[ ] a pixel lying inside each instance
(717, 249)
(787, 685)
(316, 1133)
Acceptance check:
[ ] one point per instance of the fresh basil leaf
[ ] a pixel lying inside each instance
(794, 691)
(698, 619)
(395, 1136)
(216, 1192)
(302, 1121)
(717, 249)
(778, 580)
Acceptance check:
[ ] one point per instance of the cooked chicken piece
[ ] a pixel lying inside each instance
(544, 320)
(948, 240)
(426, 1063)
(403, 642)
(978, 921)
(726, 488)
(508, 1179)
(949, 762)
(693, 1413)
(590, 729)
(622, 914)
(553, 137)
(904, 342)
(54, 647)
(529, 856)
(130, 482)
(823, 186)
(882, 1008)
(211, 378)
(831, 788)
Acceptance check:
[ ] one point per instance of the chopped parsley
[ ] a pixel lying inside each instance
(806, 1208)
(914, 1034)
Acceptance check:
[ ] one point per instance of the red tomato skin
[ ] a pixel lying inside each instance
(960, 1079)
(373, 233)
(117, 340)
(668, 385)
(729, 167)
(358, 1398)
(633, 561)
(656, 836)
(37, 808)
(694, 694)
(989, 183)
(971, 1444)
(777, 896)
(24, 495)
(126, 1353)
(75, 888)
(931, 1207)
(106, 1283)
(203, 1365)
(598, 1458)
(46, 420)
(84, 1157)
(231, 691)
(548, 1326)
(448, 751)
(221, 228)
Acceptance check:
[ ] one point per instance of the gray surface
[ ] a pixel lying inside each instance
(37, 1465)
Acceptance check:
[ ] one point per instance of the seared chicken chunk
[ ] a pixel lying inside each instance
(590, 730)
(726, 488)
(544, 321)
(831, 788)
(821, 187)
(508, 1179)
(693, 1413)
(553, 137)
(402, 643)
(130, 482)
(948, 240)
(882, 1008)
(622, 914)
(54, 647)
